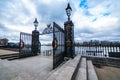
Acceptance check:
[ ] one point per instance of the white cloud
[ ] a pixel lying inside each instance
(30, 7)
(89, 23)
(20, 28)
(102, 22)
(105, 22)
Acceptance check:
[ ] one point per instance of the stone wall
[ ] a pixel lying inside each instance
(105, 61)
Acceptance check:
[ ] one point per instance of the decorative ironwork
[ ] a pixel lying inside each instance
(68, 27)
(48, 30)
(55, 43)
(21, 44)
(58, 40)
(69, 43)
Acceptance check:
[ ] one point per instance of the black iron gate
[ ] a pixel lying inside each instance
(58, 45)
(25, 45)
(25, 49)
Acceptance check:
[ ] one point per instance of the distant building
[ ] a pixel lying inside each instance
(3, 42)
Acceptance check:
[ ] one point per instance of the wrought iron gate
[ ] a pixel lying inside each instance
(58, 45)
(25, 45)
(25, 49)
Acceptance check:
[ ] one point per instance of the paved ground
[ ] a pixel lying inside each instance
(108, 73)
(3, 52)
(32, 68)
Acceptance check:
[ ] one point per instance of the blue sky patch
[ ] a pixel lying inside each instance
(94, 19)
(106, 14)
(83, 4)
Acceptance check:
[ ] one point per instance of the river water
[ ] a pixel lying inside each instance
(104, 52)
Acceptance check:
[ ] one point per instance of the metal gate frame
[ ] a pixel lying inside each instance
(58, 45)
(25, 45)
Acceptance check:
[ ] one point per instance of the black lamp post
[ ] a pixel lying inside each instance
(68, 11)
(69, 35)
(35, 38)
(35, 23)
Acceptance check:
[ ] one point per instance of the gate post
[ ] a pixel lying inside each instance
(69, 35)
(35, 39)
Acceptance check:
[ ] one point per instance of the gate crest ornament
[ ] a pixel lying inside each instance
(55, 43)
(48, 30)
(21, 44)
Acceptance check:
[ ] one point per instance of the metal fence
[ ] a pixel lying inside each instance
(102, 50)
(47, 52)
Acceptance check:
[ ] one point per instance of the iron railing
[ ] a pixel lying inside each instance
(47, 52)
(102, 50)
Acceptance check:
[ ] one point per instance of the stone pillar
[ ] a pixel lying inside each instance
(35, 42)
(69, 39)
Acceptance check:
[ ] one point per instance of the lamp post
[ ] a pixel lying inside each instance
(36, 23)
(35, 39)
(69, 35)
(68, 11)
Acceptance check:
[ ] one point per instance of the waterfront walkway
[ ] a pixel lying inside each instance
(40, 68)
(32, 68)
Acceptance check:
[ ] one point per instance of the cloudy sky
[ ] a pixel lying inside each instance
(93, 19)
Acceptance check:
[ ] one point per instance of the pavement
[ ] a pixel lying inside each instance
(32, 68)
(108, 73)
(40, 68)
(4, 52)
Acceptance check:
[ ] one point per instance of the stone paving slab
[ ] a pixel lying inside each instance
(32, 68)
